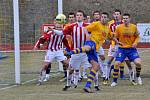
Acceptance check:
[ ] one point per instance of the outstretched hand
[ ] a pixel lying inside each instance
(35, 48)
(134, 45)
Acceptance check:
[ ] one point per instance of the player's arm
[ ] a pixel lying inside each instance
(40, 41)
(137, 38)
(58, 32)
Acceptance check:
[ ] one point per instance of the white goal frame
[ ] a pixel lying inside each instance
(17, 39)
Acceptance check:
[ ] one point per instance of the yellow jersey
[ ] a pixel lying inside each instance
(99, 33)
(127, 35)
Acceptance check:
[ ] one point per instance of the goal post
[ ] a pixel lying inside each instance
(60, 11)
(16, 41)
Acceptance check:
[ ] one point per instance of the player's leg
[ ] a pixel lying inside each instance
(47, 72)
(121, 55)
(65, 66)
(102, 62)
(130, 70)
(43, 73)
(69, 80)
(96, 82)
(91, 76)
(109, 67)
(49, 57)
(74, 66)
(122, 70)
(93, 59)
(86, 66)
(103, 67)
(115, 73)
(59, 56)
(134, 56)
(111, 55)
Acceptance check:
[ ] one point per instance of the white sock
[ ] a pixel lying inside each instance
(47, 76)
(84, 73)
(69, 78)
(80, 75)
(103, 68)
(76, 77)
(96, 80)
(108, 71)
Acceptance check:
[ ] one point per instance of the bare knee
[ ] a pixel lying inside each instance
(117, 64)
(65, 64)
(95, 65)
(137, 62)
(102, 57)
(46, 66)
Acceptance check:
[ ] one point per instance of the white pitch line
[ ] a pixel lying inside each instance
(8, 87)
(28, 81)
(66, 94)
(53, 75)
(4, 84)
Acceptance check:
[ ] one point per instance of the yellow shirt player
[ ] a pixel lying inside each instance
(100, 31)
(128, 38)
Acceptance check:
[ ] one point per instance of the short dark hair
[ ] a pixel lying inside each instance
(126, 14)
(117, 10)
(71, 13)
(96, 12)
(81, 12)
(105, 13)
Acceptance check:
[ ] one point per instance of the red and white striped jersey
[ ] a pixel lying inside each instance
(54, 41)
(78, 33)
(114, 25)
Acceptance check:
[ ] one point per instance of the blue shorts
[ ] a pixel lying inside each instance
(122, 53)
(92, 55)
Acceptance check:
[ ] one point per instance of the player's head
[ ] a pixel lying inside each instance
(104, 17)
(71, 17)
(60, 19)
(117, 14)
(126, 18)
(79, 16)
(96, 15)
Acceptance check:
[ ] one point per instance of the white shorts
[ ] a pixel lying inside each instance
(54, 55)
(78, 60)
(112, 52)
(101, 51)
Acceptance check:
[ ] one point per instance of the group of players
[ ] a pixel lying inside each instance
(83, 39)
